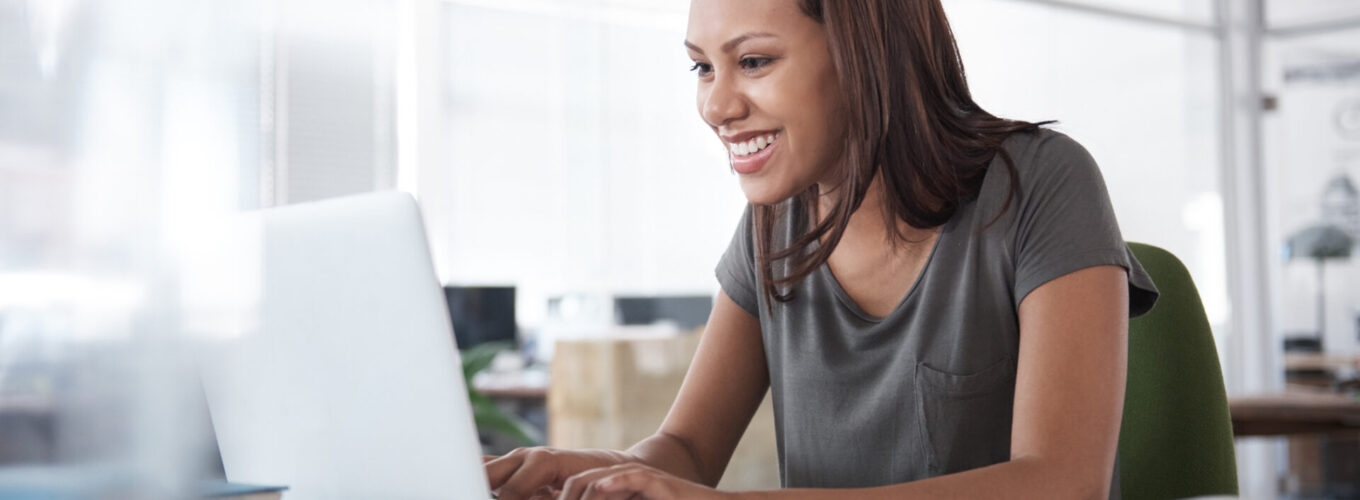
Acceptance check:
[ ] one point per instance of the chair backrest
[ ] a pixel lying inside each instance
(1176, 440)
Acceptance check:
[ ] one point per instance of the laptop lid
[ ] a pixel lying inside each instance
(348, 383)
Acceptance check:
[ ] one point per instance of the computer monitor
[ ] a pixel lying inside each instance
(686, 311)
(481, 314)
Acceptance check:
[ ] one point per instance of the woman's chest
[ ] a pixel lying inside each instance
(923, 391)
(955, 311)
(878, 278)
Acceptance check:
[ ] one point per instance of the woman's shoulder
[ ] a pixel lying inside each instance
(1045, 154)
(1049, 166)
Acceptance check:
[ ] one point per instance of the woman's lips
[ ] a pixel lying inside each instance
(752, 163)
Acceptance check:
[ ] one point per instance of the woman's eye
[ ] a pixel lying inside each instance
(751, 63)
(701, 68)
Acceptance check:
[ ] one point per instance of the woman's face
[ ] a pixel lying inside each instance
(768, 87)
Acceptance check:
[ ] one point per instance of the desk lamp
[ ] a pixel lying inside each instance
(1319, 243)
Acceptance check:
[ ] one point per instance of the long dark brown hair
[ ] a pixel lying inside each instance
(909, 116)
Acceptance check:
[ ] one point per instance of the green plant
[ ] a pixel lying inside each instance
(489, 417)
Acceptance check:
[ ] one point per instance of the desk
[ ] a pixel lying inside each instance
(1294, 413)
(1319, 361)
(1322, 430)
(539, 394)
(524, 384)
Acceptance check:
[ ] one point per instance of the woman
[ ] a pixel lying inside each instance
(938, 298)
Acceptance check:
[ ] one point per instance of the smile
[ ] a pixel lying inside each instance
(749, 156)
(753, 146)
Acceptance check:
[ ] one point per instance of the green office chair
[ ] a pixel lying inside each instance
(1176, 440)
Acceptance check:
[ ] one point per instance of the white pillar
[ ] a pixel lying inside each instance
(1253, 363)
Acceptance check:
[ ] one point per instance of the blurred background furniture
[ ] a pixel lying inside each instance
(1321, 428)
(613, 392)
(1299, 411)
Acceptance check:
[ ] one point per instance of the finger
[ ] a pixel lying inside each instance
(488, 458)
(537, 471)
(593, 491)
(500, 469)
(645, 482)
(544, 493)
(578, 486)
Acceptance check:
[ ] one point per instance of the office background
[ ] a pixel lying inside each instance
(555, 147)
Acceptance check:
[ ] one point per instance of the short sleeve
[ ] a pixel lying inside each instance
(736, 270)
(1066, 223)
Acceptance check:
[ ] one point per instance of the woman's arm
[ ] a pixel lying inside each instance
(1069, 396)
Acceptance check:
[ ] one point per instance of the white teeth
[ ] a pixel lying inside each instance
(753, 145)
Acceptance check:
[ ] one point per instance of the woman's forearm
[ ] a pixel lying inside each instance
(672, 455)
(1017, 479)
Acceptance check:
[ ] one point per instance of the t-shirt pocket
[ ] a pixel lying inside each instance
(965, 419)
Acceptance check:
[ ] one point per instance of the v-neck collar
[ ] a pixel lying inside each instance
(824, 272)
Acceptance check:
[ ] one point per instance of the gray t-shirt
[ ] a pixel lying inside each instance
(928, 390)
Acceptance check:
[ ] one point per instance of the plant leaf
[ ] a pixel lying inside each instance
(487, 416)
(479, 357)
(490, 418)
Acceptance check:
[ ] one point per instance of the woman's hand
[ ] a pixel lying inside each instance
(541, 472)
(633, 481)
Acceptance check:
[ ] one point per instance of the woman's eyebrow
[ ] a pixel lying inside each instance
(731, 44)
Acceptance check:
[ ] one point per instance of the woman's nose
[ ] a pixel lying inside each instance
(722, 103)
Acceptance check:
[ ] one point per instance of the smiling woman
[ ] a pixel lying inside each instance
(768, 71)
(937, 297)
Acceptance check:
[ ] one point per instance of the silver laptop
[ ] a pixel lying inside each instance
(345, 381)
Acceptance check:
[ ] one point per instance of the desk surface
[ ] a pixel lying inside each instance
(519, 384)
(1294, 412)
(1320, 361)
(514, 392)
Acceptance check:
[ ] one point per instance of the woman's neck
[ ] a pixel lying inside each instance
(870, 222)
